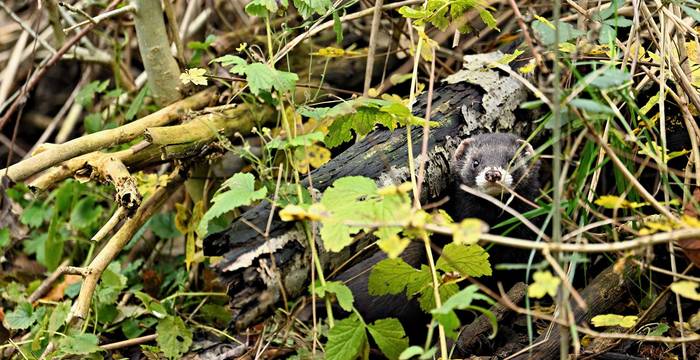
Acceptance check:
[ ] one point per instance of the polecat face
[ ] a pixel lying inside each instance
(490, 162)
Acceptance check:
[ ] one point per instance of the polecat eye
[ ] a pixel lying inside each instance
(475, 163)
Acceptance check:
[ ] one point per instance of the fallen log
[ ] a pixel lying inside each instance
(475, 100)
(604, 291)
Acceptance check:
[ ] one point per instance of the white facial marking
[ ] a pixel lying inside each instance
(491, 188)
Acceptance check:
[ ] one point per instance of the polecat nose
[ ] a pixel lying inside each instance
(493, 175)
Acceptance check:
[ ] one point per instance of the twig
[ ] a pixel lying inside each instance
(27, 28)
(111, 223)
(376, 19)
(8, 75)
(105, 138)
(46, 284)
(131, 342)
(81, 307)
(39, 74)
(103, 16)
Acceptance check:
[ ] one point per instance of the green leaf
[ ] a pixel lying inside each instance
(87, 93)
(163, 225)
(173, 337)
(14, 292)
(92, 123)
(341, 291)
(544, 283)
(346, 339)
(337, 28)
(53, 246)
(693, 13)
(414, 351)
(229, 60)
(488, 19)
(133, 328)
(427, 295)
(411, 13)
(462, 300)
(660, 330)
(591, 106)
(612, 77)
(619, 22)
(614, 320)
(546, 34)
(262, 77)
(307, 8)
(33, 216)
(607, 12)
(136, 104)
(20, 318)
(301, 140)
(79, 344)
(111, 284)
(58, 316)
(66, 195)
(389, 336)
(261, 8)
(391, 277)
(241, 191)
(4, 237)
(362, 122)
(468, 260)
(85, 213)
(347, 199)
(152, 305)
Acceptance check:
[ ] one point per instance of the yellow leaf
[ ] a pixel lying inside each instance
(690, 221)
(567, 47)
(334, 52)
(544, 283)
(393, 246)
(612, 202)
(468, 231)
(372, 92)
(508, 58)
(195, 76)
(528, 68)
(318, 155)
(687, 289)
(296, 213)
(393, 189)
(242, 47)
(182, 217)
(545, 21)
(614, 320)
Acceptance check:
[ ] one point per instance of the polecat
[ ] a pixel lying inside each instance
(486, 162)
(490, 163)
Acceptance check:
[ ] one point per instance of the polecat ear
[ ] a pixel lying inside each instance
(527, 149)
(461, 149)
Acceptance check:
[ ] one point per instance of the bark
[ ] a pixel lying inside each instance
(162, 69)
(460, 108)
(605, 291)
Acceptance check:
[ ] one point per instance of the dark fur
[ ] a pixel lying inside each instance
(503, 150)
(499, 149)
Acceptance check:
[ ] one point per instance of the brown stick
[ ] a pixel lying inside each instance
(116, 244)
(105, 138)
(34, 80)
